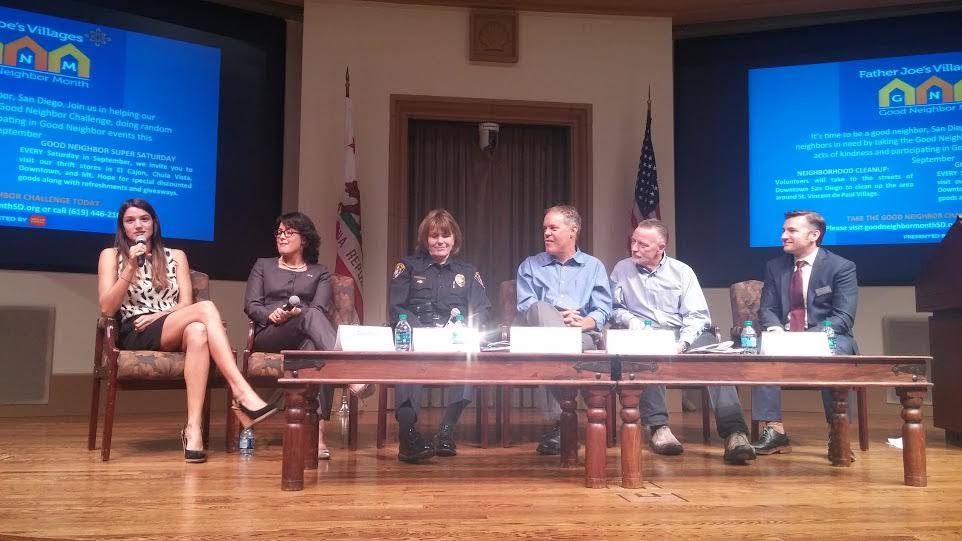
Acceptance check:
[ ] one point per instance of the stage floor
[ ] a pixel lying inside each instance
(51, 486)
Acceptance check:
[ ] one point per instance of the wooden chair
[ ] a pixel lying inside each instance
(745, 299)
(508, 302)
(509, 316)
(481, 418)
(263, 369)
(140, 370)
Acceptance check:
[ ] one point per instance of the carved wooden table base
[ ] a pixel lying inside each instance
(597, 377)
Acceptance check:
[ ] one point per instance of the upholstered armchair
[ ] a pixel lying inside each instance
(510, 316)
(508, 302)
(746, 297)
(264, 369)
(139, 370)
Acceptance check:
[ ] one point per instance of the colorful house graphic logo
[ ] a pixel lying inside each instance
(896, 94)
(933, 90)
(25, 53)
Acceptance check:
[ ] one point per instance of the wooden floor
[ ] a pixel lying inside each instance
(51, 486)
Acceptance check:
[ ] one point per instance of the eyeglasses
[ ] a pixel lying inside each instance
(285, 233)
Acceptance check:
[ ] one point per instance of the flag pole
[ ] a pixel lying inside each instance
(345, 407)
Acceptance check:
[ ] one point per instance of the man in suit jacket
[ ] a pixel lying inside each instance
(804, 288)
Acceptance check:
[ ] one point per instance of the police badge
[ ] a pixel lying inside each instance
(398, 270)
(459, 280)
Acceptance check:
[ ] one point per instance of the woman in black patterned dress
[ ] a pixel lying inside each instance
(149, 285)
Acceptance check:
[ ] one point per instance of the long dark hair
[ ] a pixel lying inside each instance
(309, 235)
(158, 257)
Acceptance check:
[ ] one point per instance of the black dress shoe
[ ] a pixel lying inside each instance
(550, 442)
(444, 441)
(412, 447)
(771, 442)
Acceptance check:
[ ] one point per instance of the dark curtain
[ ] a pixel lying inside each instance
(498, 197)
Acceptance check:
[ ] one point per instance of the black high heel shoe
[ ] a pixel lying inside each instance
(191, 456)
(249, 418)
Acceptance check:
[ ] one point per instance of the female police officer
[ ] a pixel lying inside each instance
(428, 286)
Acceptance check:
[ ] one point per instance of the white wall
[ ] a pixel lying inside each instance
(605, 61)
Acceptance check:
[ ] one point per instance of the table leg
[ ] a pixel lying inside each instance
(292, 468)
(862, 399)
(610, 423)
(353, 418)
(505, 416)
(705, 415)
(596, 439)
(483, 414)
(840, 451)
(310, 427)
(381, 433)
(567, 397)
(631, 456)
(913, 437)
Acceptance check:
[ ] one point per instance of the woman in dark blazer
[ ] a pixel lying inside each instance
(270, 286)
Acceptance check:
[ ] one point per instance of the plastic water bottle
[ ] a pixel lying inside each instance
(402, 334)
(749, 339)
(457, 330)
(246, 444)
(830, 334)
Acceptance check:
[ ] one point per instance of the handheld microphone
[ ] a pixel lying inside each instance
(141, 259)
(292, 303)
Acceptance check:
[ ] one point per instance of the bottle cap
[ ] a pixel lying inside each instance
(459, 318)
(748, 323)
(826, 323)
(402, 316)
(648, 323)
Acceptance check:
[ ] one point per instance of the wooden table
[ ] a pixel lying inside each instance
(596, 375)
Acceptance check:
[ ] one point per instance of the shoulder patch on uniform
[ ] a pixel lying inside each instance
(477, 276)
(398, 269)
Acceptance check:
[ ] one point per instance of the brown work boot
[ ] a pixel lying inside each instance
(737, 449)
(664, 442)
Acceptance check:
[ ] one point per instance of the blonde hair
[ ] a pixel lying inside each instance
(570, 215)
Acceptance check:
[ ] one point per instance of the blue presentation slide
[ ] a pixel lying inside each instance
(873, 145)
(92, 115)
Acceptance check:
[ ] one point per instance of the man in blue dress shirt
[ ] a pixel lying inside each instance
(651, 286)
(563, 286)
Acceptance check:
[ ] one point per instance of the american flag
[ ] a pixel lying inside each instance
(646, 185)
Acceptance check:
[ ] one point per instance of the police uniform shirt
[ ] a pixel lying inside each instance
(427, 291)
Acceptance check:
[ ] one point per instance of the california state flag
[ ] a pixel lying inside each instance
(348, 227)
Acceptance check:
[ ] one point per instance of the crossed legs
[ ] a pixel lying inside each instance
(198, 331)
